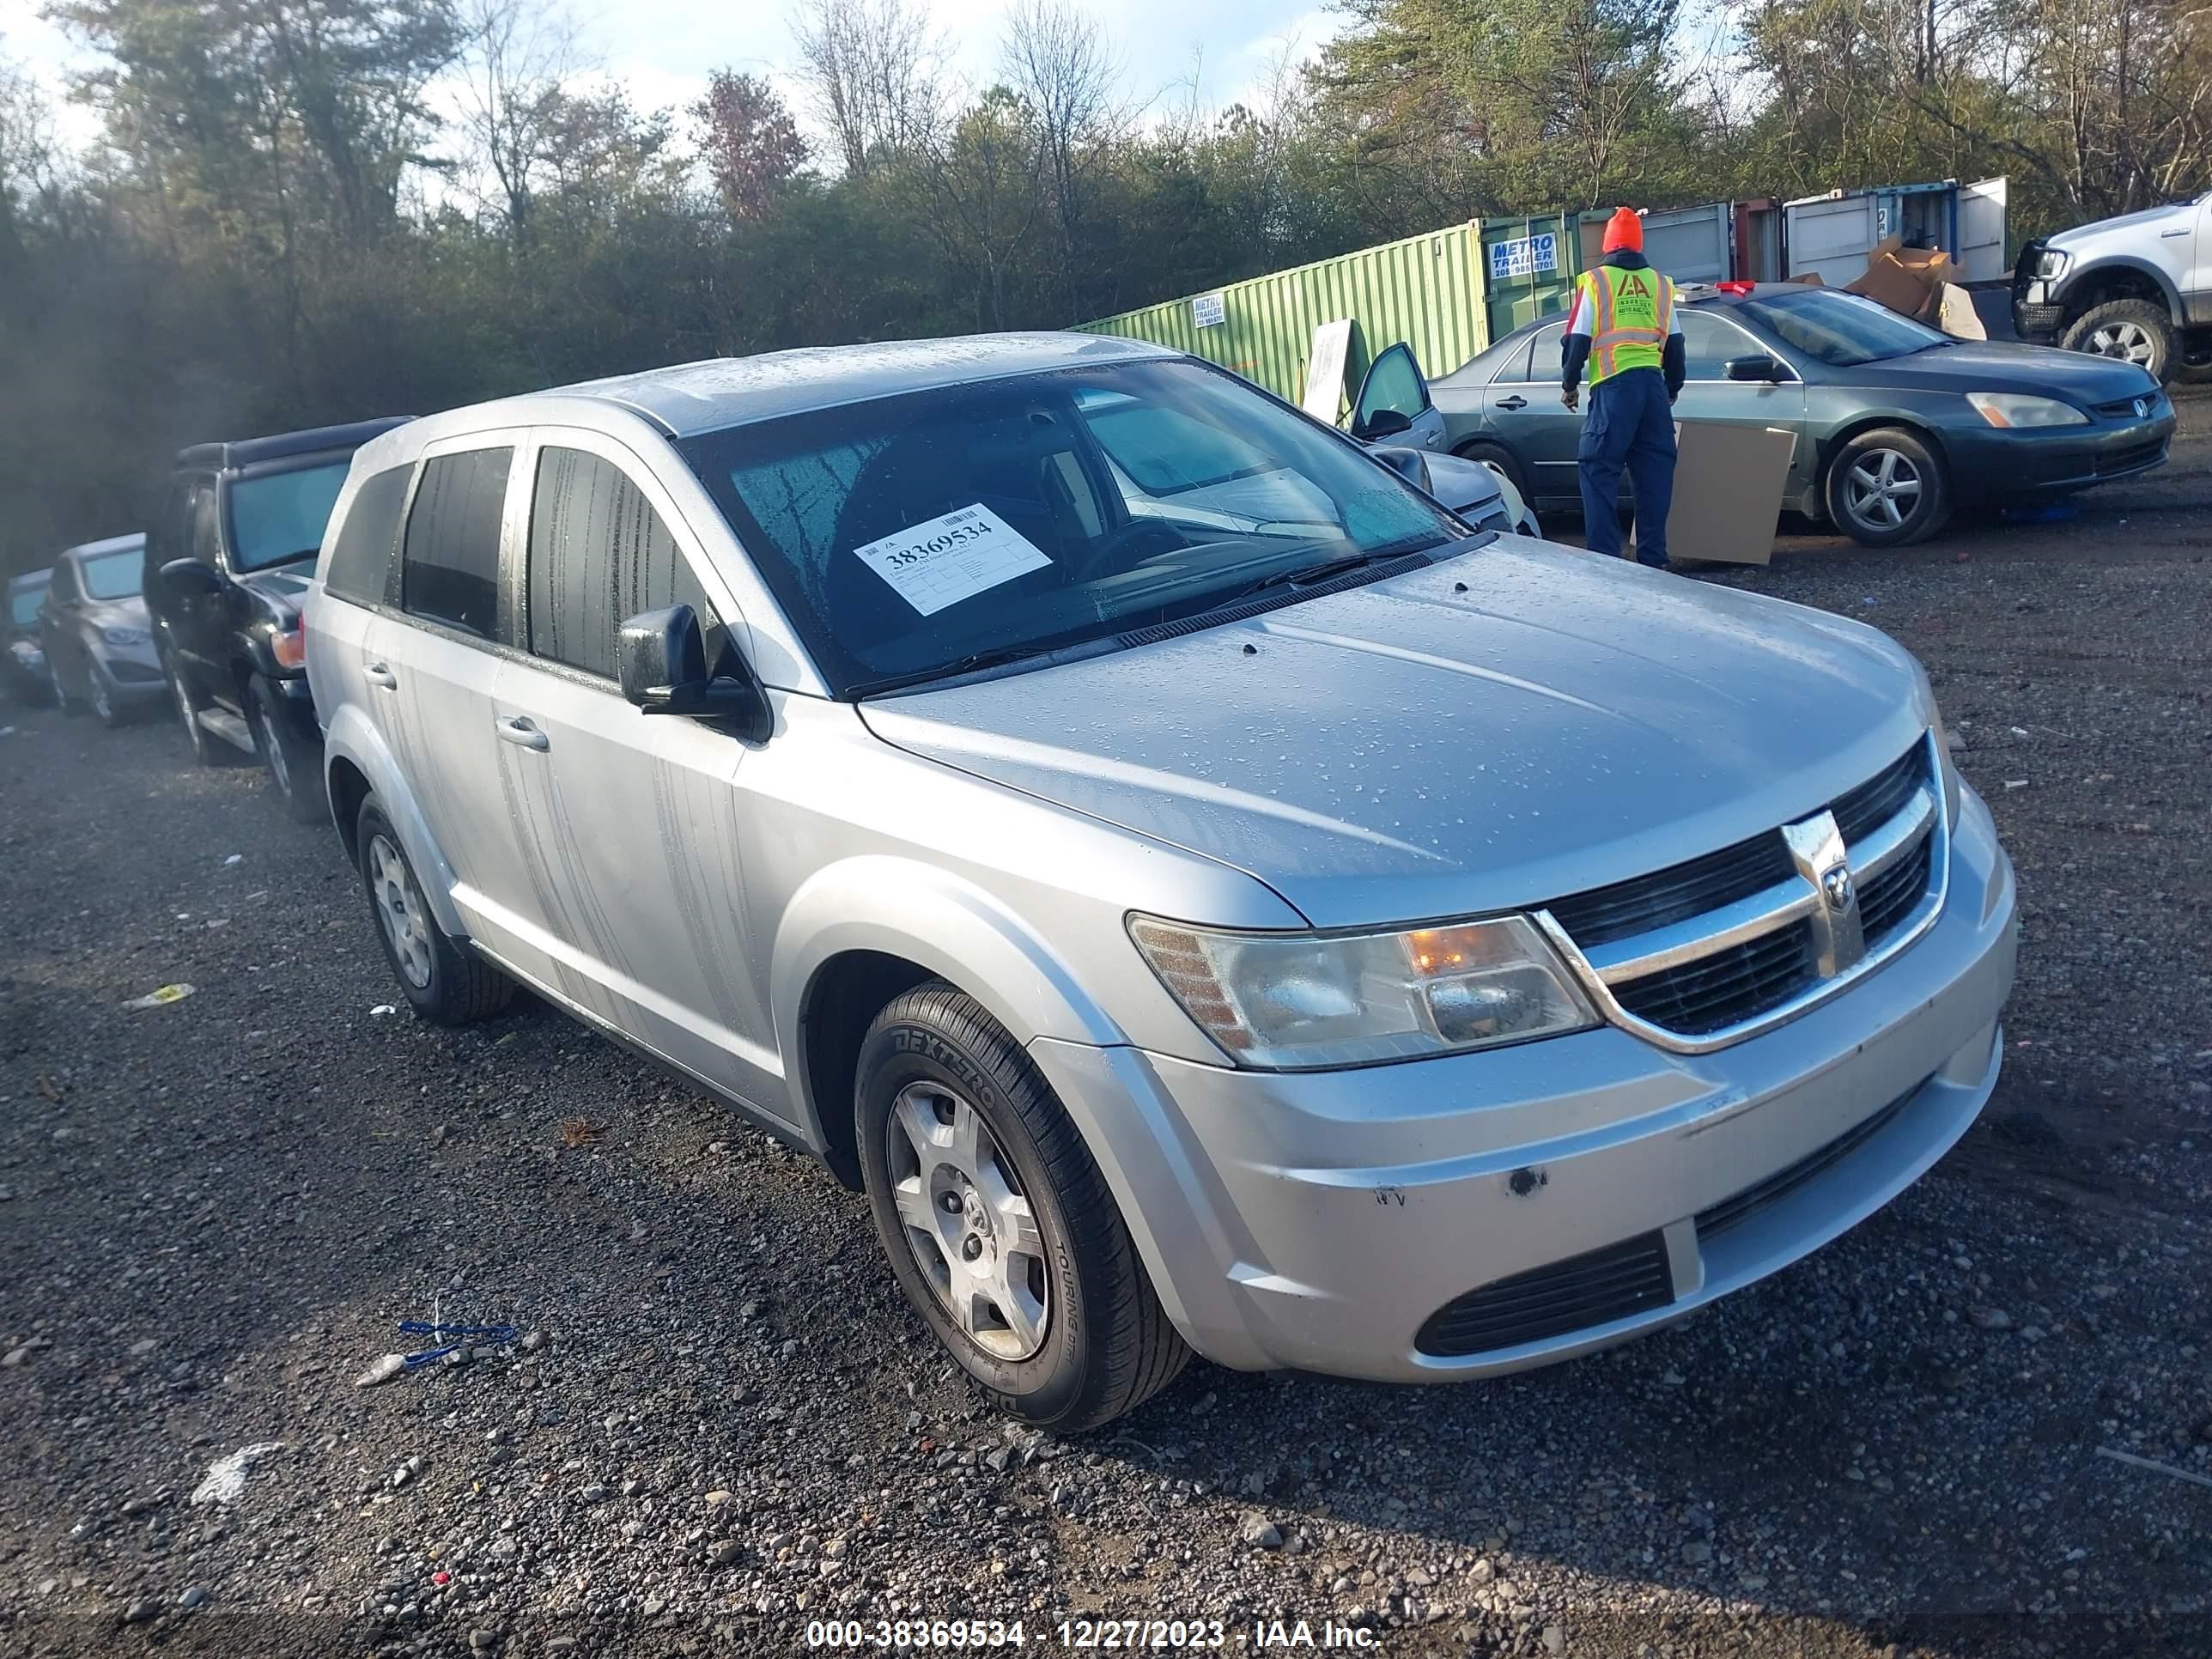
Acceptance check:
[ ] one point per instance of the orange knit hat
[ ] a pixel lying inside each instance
(1624, 230)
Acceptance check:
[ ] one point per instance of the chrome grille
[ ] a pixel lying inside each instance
(1708, 951)
(1726, 988)
(1628, 907)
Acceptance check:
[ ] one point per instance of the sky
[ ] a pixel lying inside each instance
(663, 49)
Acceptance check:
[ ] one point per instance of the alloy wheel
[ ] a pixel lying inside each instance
(272, 753)
(400, 907)
(2130, 342)
(972, 1229)
(1882, 489)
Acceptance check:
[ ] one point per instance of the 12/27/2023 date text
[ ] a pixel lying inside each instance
(1085, 1635)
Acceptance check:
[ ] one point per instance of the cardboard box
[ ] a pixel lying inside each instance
(1729, 480)
(1957, 316)
(1910, 281)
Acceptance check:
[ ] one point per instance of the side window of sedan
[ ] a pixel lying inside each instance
(599, 555)
(1709, 344)
(1542, 361)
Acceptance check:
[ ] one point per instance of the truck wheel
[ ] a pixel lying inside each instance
(207, 750)
(1887, 488)
(293, 767)
(444, 983)
(999, 1226)
(2135, 331)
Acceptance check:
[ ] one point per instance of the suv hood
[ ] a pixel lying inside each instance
(2083, 236)
(1407, 750)
(282, 593)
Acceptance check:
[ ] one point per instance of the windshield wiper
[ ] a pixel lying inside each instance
(974, 663)
(1307, 575)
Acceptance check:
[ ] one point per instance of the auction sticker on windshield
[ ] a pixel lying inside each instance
(952, 557)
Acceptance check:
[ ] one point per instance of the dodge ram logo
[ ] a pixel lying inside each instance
(1836, 887)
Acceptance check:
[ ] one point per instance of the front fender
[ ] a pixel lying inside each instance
(352, 737)
(930, 916)
(2084, 277)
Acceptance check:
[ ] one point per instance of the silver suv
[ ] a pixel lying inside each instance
(1205, 896)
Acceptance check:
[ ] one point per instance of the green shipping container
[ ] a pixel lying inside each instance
(1528, 267)
(1425, 290)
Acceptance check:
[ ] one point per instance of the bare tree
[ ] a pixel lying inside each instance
(520, 54)
(873, 70)
(1057, 59)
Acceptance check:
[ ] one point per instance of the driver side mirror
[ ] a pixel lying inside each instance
(188, 579)
(1383, 424)
(1761, 369)
(660, 657)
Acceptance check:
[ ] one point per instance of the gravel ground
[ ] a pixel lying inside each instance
(723, 1423)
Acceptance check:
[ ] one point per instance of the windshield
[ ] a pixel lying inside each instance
(23, 607)
(112, 575)
(906, 535)
(280, 516)
(1840, 330)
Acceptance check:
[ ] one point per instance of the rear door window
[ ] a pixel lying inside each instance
(599, 555)
(449, 564)
(361, 556)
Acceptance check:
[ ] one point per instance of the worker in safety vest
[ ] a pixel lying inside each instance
(1623, 325)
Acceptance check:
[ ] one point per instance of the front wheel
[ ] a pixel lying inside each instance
(1887, 488)
(999, 1225)
(444, 982)
(205, 749)
(293, 767)
(62, 701)
(2133, 331)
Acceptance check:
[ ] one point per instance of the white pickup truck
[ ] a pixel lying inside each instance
(2138, 287)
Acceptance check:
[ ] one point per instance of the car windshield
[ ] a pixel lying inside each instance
(23, 607)
(1840, 330)
(112, 575)
(908, 537)
(280, 516)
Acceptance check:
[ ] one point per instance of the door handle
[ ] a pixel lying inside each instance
(1513, 402)
(377, 674)
(519, 729)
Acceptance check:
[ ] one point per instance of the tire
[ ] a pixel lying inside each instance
(1068, 1334)
(2135, 331)
(1500, 460)
(295, 768)
(207, 749)
(444, 982)
(105, 708)
(1887, 487)
(63, 702)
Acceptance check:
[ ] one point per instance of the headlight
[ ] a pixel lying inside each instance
(2051, 263)
(2009, 409)
(1287, 1001)
(124, 635)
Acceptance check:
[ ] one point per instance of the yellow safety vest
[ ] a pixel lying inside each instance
(1631, 314)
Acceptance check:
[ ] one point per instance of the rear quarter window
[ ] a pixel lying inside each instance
(449, 564)
(361, 555)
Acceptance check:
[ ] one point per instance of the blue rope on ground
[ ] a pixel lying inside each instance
(491, 1335)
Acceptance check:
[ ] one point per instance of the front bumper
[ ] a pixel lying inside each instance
(131, 672)
(1320, 1221)
(1989, 465)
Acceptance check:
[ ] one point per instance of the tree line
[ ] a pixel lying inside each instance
(302, 211)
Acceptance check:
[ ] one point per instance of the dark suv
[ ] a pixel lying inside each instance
(226, 564)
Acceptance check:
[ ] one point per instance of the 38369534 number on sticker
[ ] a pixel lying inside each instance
(916, 1635)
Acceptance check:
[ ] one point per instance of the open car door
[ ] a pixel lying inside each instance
(1394, 406)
